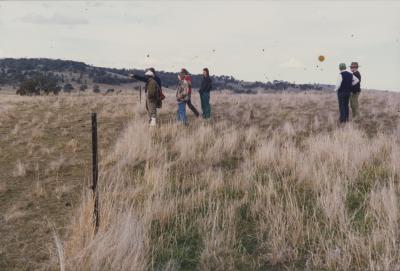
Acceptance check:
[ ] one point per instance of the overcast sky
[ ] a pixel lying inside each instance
(264, 40)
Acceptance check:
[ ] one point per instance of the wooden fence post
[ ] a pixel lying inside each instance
(95, 170)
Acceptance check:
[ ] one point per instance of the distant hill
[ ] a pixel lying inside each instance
(15, 71)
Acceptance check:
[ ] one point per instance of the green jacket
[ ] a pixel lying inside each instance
(152, 90)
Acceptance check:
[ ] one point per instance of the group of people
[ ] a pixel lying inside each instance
(348, 89)
(155, 95)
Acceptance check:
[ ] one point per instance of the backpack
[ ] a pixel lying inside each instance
(160, 97)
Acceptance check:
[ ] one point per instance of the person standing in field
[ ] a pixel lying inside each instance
(188, 78)
(204, 91)
(158, 80)
(344, 86)
(182, 97)
(355, 91)
(152, 91)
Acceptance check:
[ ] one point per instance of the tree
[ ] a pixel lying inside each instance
(39, 83)
(47, 83)
(68, 88)
(96, 89)
(28, 87)
(83, 87)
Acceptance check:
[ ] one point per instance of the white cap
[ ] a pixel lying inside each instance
(149, 73)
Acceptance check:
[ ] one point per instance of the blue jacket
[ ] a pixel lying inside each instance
(347, 82)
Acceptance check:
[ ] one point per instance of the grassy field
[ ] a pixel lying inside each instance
(271, 183)
(45, 165)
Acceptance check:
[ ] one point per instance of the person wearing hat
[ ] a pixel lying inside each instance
(152, 99)
(355, 91)
(345, 82)
(144, 79)
(153, 93)
(158, 80)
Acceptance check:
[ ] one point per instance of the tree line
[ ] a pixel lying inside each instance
(41, 75)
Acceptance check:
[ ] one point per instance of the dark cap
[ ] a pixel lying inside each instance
(354, 65)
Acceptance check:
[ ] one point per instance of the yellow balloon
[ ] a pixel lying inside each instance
(321, 58)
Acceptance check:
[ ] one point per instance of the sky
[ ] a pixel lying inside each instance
(252, 41)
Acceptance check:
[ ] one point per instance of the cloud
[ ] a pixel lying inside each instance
(95, 4)
(55, 19)
(292, 63)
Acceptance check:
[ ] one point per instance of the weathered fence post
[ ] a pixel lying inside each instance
(95, 170)
(140, 95)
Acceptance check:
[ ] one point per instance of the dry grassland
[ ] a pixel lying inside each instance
(271, 183)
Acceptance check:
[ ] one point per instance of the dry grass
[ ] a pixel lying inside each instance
(45, 163)
(20, 169)
(3, 187)
(280, 188)
(13, 213)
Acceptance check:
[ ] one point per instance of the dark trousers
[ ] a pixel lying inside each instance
(191, 107)
(205, 104)
(344, 98)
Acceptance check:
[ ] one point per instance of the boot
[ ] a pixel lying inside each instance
(152, 122)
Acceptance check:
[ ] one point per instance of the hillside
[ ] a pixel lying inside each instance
(13, 72)
(271, 183)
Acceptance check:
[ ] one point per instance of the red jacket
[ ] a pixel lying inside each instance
(188, 78)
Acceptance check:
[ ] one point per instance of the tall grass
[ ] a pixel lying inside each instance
(284, 188)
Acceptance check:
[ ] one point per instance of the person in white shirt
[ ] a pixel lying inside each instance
(345, 82)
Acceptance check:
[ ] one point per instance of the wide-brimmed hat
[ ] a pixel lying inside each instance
(354, 65)
(149, 73)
